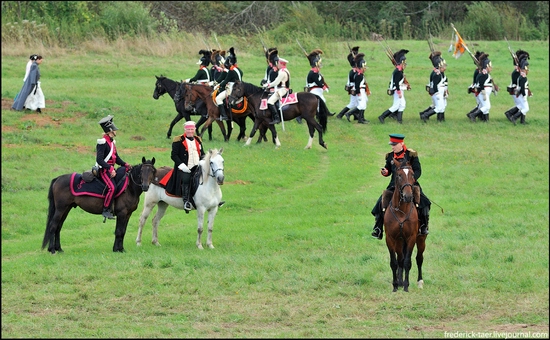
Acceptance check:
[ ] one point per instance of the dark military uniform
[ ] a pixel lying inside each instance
(350, 84)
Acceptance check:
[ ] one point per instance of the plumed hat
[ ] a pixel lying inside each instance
(351, 56)
(484, 61)
(205, 59)
(273, 56)
(400, 57)
(268, 52)
(107, 124)
(315, 58)
(232, 58)
(437, 59)
(521, 54)
(523, 63)
(478, 54)
(217, 58)
(359, 61)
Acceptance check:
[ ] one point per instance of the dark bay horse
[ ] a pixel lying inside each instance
(401, 226)
(193, 92)
(62, 200)
(309, 107)
(165, 85)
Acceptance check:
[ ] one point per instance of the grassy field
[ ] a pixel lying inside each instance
(294, 256)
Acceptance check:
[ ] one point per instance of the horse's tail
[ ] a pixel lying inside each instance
(323, 114)
(51, 211)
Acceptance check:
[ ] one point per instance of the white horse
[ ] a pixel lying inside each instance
(207, 198)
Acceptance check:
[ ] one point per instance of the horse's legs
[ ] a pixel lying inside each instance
(54, 229)
(420, 245)
(200, 223)
(162, 206)
(393, 266)
(147, 209)
(120, 231)
(176, 119)
(211, 216)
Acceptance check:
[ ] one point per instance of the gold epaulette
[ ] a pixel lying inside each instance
(178, 138)
(413, 153)
(199, 138)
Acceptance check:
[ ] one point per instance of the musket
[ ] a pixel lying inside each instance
(307, 56)
(431, 44)
(512, 52)
(389, 54)
(216, 37)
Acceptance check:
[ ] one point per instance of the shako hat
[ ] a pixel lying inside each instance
(107, 124)
(359, 61)
(520, 54)
(437, 59)
(315, 58)
(217, 57)
(396, 138)
(273, 56)
(268, 52)
(484, 61)
(523, 63)
(232, 58)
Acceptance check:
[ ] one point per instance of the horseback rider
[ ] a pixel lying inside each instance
(397, 88)
(226, 84)
(106, 158)
(400, 151)
(187, 151)
(280, 86)
(217, 59)
(270, 73)
(203, 75)
(350, 84)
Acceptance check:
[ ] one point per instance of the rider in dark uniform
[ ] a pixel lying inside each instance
(270, 72)
(217, 59)
(399, 151)
(233, 75)
(203, 75)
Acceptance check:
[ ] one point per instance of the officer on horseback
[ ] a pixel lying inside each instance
(233, 75)
(203, 73)
(400, 151)
(280, 86)
(187, 151)
(106, 157)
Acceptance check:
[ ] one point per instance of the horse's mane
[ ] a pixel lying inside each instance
(251, 88)
(205, 165)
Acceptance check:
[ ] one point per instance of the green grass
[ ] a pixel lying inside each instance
(293, 256)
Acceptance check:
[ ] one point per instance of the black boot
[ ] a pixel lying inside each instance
(474, 115)
(223, 115)
(522, 121)
(486, 118)
(426, 110)
(469, 114)
(516, 116)
(426, 116)
(187, 206)
(362, 119)
(341, 114)
(107, 213)
(378, 228)
(441, 117)
(299, 119)
(400, 117)
(511, 112)
(276, 119)
(423, 221)
(352, 112)
(384, 116)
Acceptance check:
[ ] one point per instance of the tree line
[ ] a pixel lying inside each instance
(70, 22)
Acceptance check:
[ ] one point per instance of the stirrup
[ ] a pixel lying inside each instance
(187, 206)
(221, 203)
(108, 214)
(377, 233)
(424, 230)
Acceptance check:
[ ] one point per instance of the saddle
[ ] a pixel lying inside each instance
(290, 98)
(165, 172)
(80, 187)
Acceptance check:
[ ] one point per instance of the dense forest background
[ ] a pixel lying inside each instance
(69, 23)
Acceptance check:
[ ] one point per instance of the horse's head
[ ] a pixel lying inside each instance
(147, 173)
(237, 92)
(216, 165)
(404, 180)
(160, 89)
(190, 96)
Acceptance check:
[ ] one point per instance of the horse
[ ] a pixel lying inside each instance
(309, 107)
(165, 85)
(207, 197)
(61, 200)
(193, 92)
(401, 226)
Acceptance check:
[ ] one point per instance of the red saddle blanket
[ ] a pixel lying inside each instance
(289, 99)
(97, 188)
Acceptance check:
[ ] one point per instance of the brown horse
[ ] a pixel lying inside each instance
(205, 93)
(401, 226)
(309, 107)
(62, 200)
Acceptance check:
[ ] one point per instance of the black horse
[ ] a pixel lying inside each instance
(62, 200)
(165, 85)
(310, 107)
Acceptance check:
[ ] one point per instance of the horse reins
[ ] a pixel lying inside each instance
(392, 209)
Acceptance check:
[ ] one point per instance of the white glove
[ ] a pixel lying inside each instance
(184, 168)
(187, 80)
(211, 83)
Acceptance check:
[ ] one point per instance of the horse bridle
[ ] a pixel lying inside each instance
(393, 209)
(404, 185)
(141, 178)
(214, 171)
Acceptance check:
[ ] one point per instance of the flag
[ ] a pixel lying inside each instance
(460, 47)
